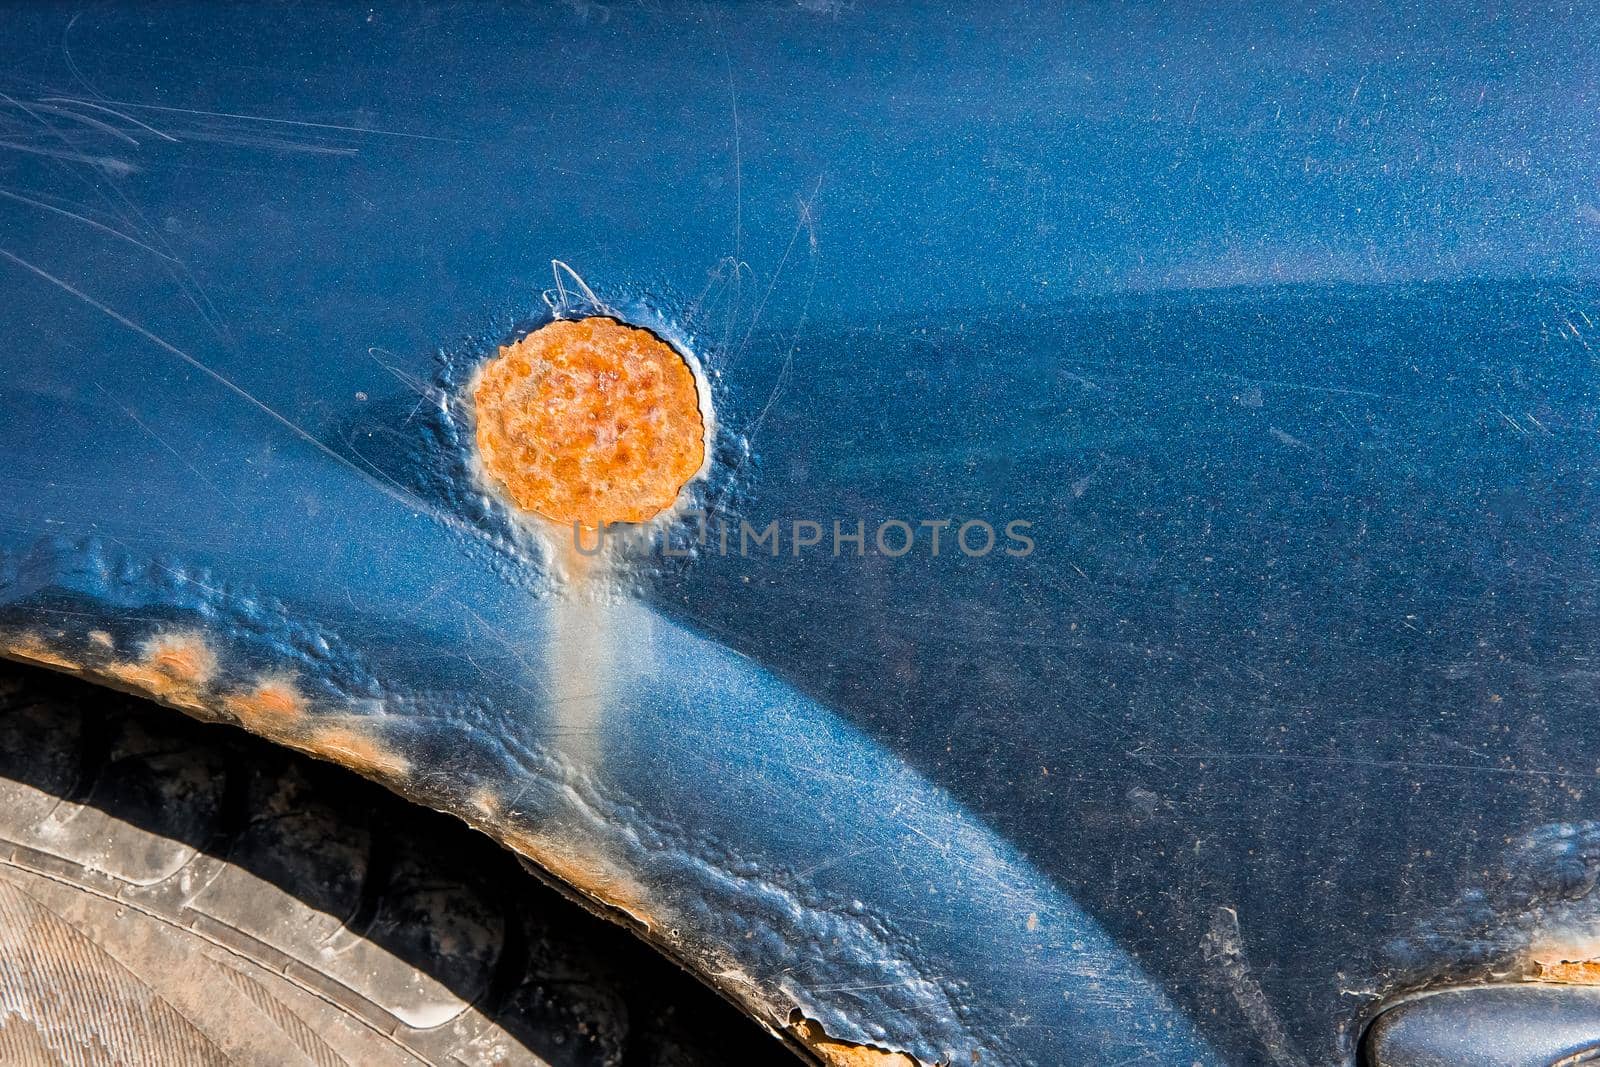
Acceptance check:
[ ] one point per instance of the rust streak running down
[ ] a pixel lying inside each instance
(590, 421)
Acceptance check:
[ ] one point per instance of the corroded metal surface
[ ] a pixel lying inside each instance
(589, 422)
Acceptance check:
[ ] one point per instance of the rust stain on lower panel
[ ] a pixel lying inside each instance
(273, 705)
(31, 647)
(182, 670)
(352, 747)
(591, 875)
(174, 668)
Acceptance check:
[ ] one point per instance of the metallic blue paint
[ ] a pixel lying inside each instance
(1275, 322)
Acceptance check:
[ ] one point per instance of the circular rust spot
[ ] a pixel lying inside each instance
(590, 421)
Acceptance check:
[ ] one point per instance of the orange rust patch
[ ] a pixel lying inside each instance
(595, 878)
(590, 422)
(32, 648)
(273, 706)
(1574, 961)
(182, 656)
(838, 1053)
(354, 749)
(174, 668)
(276, 708)
(1570, 972)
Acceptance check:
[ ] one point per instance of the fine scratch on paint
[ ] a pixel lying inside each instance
(1224, 945)
(109, 111)
(369, 130)
(407, 499)
(85, 220)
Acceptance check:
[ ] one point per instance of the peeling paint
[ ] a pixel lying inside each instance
(838, 1053)
(185, 670)
(1534, 916)
(1568, 955)
(603, 883)
(1565, 971)
(1357, 669)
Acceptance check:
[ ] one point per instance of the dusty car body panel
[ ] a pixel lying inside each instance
(1274, 328)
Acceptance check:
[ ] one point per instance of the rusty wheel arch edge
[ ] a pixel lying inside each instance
(790, 900)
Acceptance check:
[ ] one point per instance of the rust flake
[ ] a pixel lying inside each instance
(837, 1053)
(1567, 972)
(1572, 962)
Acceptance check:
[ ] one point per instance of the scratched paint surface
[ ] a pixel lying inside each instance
(1275, 325)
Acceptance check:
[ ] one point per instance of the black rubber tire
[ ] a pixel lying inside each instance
(173, 891)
